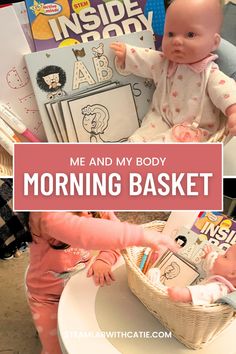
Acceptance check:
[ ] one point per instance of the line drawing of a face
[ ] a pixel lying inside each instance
(171, 271)
(52, 80)
(95, 119)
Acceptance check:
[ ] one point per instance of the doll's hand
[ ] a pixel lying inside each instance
(178, 294)
(101, 273)
(207, 249)
(120, 52)
(157, 241)
(232, 124)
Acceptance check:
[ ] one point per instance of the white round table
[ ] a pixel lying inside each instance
(85, 308)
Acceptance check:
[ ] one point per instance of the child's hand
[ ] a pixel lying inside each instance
(101, 273)
(178, 294)
(232, 124)
(120, 52)
(157, 241)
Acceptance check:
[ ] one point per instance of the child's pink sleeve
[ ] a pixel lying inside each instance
(90, 233)
(109, 257)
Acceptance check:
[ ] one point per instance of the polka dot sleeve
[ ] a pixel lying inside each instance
(143, 62)
(221, 89)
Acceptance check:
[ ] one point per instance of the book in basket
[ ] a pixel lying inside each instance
(210, 228)
(57, 23)
(68, 82)
(176, 270)
(217, 228)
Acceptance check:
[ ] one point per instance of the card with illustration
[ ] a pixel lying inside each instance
(53, 122)
(95, 116)
(192, 249)
(60, 120)
(175, 271)
(65, 111)
(188, 241)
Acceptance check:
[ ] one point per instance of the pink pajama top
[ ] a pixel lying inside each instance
(183, 92)
(49, 268)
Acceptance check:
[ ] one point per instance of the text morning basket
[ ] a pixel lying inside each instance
(194, 326)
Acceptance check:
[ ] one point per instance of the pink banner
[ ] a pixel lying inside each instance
(118, 177)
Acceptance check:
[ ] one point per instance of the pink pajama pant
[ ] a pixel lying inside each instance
(44, 314)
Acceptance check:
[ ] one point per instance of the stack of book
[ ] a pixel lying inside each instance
(72, 70)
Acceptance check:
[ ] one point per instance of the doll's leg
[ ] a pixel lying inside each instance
(153, 128)
(179, 294)
(45, 320)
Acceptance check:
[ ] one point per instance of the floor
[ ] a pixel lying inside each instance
(17, 333)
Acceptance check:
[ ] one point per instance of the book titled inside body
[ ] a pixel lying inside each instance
(217, 228)
(58, 23)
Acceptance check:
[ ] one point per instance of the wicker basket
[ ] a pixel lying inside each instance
(194, 326)
(5, 163)
(221, 136)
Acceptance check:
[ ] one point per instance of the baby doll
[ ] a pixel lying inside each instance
(190, 89)
(222, 279)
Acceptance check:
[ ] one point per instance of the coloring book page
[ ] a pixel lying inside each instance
(65, 110)
(63, 72)
(16, 89)
(53, 122)
(21, 13)
(175, 271)
(60, 120)
(108, 116)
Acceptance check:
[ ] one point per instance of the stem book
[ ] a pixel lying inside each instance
(58, 23)
(83, 96)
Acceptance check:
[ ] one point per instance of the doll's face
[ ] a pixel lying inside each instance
(190, 32)
(225, 264)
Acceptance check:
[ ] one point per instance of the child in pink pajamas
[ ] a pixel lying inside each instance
(191, 92)
(222, 280)
(60, 246)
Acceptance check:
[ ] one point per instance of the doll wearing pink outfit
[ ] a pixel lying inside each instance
(60, 246)
(191, 92)
(222, 280)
